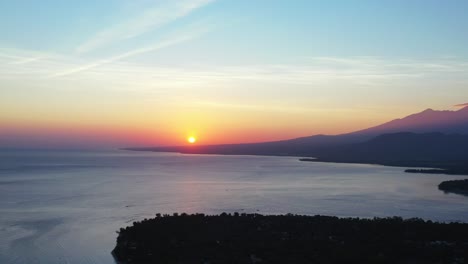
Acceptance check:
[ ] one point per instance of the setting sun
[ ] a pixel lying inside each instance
(191, 140)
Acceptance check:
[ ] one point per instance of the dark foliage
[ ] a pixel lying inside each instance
(254, 238)
(456, 186)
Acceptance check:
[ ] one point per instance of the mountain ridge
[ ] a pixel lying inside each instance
(428, 139)
(448, 122)
(429, 120)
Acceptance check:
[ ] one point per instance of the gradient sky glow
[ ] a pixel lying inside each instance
(148, 72)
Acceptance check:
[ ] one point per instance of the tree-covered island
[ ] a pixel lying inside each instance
(254, 238)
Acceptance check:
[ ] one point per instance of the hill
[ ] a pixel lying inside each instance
(318, 145)
(448, 122)
(435, 150)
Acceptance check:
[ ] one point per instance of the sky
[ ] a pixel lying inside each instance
(154, 72)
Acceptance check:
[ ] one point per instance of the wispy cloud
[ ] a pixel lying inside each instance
(384, 64)
(336, 73)
(149, 20)
(27, 60)
(461, 105)
(293, 109)
(170, 41)
(19, 56)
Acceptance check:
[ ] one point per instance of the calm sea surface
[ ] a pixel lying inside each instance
(64, 207)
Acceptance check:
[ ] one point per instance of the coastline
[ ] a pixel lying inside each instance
(415, 167)
(459, 187)
(428, 167)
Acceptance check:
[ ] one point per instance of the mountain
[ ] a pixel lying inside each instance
(430, 139)
(306, 146)
(403, 146)
(423, 122)
(429, 120)
(446, 152)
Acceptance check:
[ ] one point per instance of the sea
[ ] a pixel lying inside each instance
(66, 206)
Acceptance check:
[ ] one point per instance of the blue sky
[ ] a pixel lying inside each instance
(333, 65)
(273, 29)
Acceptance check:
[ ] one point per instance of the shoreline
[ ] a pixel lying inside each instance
(422, 167)
(414, 167)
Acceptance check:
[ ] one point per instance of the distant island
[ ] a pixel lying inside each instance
(428, 171)
(452, 171)
(254, 238)
(455, 186)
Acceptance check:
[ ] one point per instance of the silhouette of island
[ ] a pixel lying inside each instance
(254, 238)
(437, 171)
(455, 186)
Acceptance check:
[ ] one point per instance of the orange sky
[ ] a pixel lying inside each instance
(151, 129)
(223, 71)
(100, 118)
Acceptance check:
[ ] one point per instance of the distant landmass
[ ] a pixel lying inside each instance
(449, 153)
(429, 139)
(447, 122)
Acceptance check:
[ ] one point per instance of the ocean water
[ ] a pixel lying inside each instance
(65, 206)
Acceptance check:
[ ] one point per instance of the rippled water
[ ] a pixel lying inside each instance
(64, 207)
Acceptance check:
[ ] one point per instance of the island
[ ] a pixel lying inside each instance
(455, 186)
(255, 238)
(429, 171)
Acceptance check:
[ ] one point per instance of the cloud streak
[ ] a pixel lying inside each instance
(275, 108)
(319, 72)
(149, 20)
(170, 41)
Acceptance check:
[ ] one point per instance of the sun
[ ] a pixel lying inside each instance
(191, 140)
